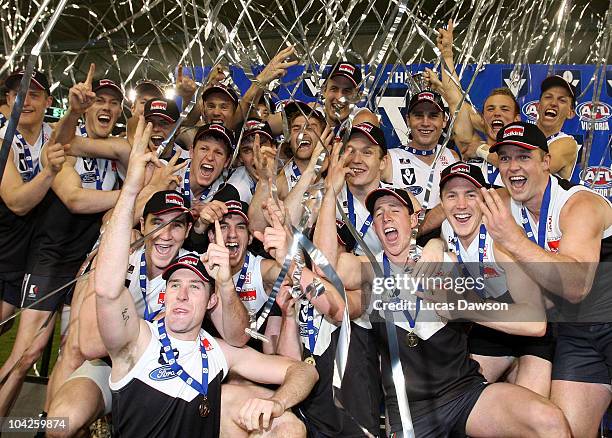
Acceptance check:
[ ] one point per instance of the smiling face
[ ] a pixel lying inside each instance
(523, 171)
(498, 111)
(209, 156)
(187, 298)
(305, 133)
(163, 246)
(34, 106)
(162, 128)
(554, 108)
(338, 93)
(460, 204)
(218, 106)
(237, 238)
(366, 161)
(393, 224)
(426, 122)
(101, 117)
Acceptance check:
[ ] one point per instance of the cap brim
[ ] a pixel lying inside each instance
(178, 265)
(177, 208)
(14, 80)
(162, 115)
(110, 87)
(239, 212)
(450, 176)
(260, 132)
(375, 194)
(349, 77)
(215, 89)
(214, 133)
(411, 107)
(367, 134)
(555, 81)
(528, 146)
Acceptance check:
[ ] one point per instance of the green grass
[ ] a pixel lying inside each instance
(7, 340)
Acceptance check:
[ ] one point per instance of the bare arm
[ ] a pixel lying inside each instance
(562, 156)
(112, 148)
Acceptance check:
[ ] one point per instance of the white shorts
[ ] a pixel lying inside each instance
(98, 372)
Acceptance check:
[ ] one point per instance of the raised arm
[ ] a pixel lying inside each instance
(124, 334)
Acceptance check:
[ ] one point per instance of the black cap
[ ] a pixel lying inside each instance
(162, 107)
(525, 135)
(220, 88)
(348, 70)
(296, 108)
(402, 195)
(426, 96)
(463, 170)
(146, 86)
(216, 130)
(231, 198)
(255, 126)
(164, 202)
(192, 262)
(39, 80)
(373, 132)
(100, 84)
(558, 81)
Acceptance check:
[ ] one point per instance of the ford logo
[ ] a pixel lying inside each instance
(415, 190)
(162, 373)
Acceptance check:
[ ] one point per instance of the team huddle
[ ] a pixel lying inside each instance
(170, 253)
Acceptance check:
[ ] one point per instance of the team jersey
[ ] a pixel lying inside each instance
(244, 184)
(412, 174)
(155, 287)
(494, 275)
(186, 184)
(575, 174)
(152, 401)
(26, 157)
(249, 284)
(597, 305)
(292, 173)
(490, 172)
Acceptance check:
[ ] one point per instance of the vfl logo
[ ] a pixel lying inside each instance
(530, 110)
(515, 81)
(408, 177)
(162, 373)
(89, 164)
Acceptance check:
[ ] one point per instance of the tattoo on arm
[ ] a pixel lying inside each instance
(125, 315)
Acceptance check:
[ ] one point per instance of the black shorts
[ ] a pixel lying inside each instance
(37, 287)
(448, 420)
(10, 287)
(485, 341)
(584, 353)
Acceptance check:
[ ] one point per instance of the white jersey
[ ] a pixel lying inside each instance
(411, 173)
(363, 222)
(26, 157)
(292, 173)
(244, 184)
(155, 287)
(322, 326)
(559, 135)
(249, 285)
(427, 323)
(494, 275)
(90, 169)
(560, 191)
(489, 171)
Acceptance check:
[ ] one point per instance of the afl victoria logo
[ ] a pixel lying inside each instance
(598, 179)
(590, 112)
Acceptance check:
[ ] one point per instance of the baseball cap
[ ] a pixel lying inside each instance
(525, 135)
(162, 107)
(231, 198)
(297, 107)
(164, 202)
(99, 84)
(464, 170)
(255, 126)
(558, 81)
(426, 96)
(220, 88)
(216, 130)
(38, 79)
(373, 132)
(348, 70)
(148, 87)
(402, 195)
(190, 261)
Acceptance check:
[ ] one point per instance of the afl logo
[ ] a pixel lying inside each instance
(590, 112)
(530, 110)
(598, 179)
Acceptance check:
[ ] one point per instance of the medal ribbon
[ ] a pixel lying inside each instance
(543, 219)
(482, 238)
(187, 188)
(201, 388)
(419, 151)
(242, 276)
(27, 154)
(411, 321)
(142, 278)
(492, 173)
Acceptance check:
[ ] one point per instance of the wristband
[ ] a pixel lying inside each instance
(483, 151)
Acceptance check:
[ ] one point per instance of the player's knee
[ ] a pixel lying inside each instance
(548, 420)
(60, 407)
(290, 427)
(72, 354)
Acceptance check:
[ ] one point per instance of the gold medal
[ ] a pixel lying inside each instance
(310, 360)
(204, 407)
(412, 340)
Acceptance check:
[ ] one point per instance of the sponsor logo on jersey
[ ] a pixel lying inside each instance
(553, 245)
(248, 295)
(162, 373)
(415, 190)
(88, 178)
(530, 110)
(598, 179)
(596, 115)
(490, 272)
(206, 344)
(33, 291)
(161, 297)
